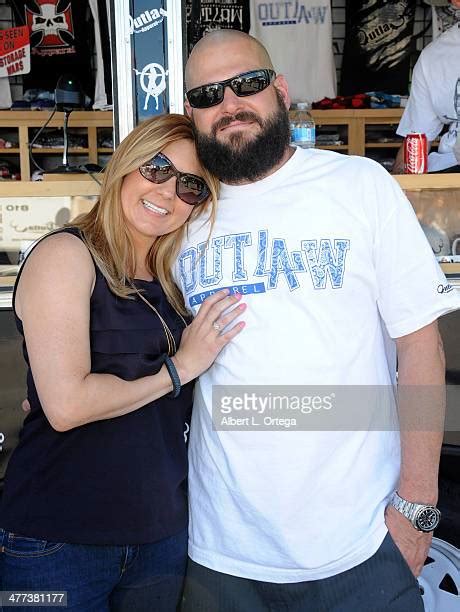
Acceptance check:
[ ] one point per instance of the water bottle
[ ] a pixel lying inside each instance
(302, 124)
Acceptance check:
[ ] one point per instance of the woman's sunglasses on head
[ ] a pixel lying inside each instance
(190, 188)
(245, 84)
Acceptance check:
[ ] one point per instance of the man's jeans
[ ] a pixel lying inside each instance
(97, 578)
(383, 583)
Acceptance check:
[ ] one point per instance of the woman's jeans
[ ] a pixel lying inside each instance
(139, 578)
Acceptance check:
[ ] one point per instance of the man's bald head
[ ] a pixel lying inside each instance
(226, 43)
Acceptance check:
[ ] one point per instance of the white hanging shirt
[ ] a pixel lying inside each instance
(298, 38)
(100, 95)
(5, 93)
(331, 261)
(434, 100)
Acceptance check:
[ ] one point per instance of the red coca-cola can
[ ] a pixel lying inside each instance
(415, 154)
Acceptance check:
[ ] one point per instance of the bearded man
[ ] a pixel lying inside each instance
(339, 280)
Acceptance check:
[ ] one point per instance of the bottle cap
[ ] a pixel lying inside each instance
(303, 105)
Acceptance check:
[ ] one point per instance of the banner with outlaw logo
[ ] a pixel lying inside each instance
(148, 24)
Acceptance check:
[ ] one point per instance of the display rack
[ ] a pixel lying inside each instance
(354, 126)
(18, 126)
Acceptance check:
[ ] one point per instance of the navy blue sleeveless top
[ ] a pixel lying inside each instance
(115, 481)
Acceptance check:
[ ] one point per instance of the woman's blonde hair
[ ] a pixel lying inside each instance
(104, 227)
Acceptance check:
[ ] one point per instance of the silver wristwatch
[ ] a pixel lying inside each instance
(423, 517)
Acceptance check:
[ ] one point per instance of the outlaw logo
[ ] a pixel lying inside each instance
(50, 24)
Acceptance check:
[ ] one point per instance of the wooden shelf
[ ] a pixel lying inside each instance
(79, 187)
(39, 118)
(58, 150)
(355, 122)
(417, 182)
(23, 121)
(343, 147)
(450, 268)
(383, 145)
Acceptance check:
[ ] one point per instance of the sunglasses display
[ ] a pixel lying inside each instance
(190, 188)
(245, 84)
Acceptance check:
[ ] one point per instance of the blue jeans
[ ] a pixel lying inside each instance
(97, 578)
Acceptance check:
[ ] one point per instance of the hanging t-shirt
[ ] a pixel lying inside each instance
(298, 38)
(378, 43)
(61, 41)
(202, 16)
(103, 86)
(330, 259)
(434, 101)
(444, 17)
(5, 93)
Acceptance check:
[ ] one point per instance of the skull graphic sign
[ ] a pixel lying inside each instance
(50, 24)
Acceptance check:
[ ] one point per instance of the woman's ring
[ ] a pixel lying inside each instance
(216, 326)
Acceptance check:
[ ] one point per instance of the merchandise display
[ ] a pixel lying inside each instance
(298, 37)
(342, 102)
(60, 41)
(65, 35)
(378, 45)
(203, 16)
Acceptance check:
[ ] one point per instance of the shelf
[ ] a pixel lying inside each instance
(343, 147)
(450, 268)
(355, 121)
(84, 119)
(383, 145)
(58, 150)
(82, 187)
(75, 150)
(416, 182)
(25, 122)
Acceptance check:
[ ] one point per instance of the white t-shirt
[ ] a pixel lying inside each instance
(434, 99)
(298, 38)
(324, 251)
(100, 95)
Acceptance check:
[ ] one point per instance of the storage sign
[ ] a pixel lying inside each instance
(14, 51)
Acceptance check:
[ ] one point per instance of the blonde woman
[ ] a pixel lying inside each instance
(94, 501)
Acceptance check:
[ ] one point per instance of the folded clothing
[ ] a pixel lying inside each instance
(380, 99)
(341, 102)
(370, 99)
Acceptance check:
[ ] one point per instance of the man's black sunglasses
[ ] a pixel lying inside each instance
(246, 84)
(190, 188)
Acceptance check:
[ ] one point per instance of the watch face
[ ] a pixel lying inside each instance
(427, 518)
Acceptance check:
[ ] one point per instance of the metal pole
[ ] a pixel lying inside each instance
(122, 69)
(66, 139)
(175, 57)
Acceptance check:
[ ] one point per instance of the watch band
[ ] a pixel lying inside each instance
(423, 517)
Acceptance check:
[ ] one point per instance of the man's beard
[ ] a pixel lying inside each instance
(242, 158)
